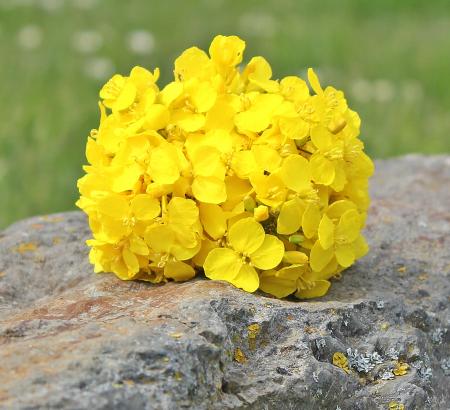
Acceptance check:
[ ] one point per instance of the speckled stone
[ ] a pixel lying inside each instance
(70, 339)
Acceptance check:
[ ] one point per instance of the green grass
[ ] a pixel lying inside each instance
(390, 57)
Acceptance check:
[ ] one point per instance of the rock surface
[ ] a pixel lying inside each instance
(71, 339)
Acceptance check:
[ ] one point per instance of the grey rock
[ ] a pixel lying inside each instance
(70, 339)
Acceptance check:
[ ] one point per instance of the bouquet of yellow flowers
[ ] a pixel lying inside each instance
(259, 182)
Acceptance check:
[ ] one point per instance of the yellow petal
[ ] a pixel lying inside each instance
(295, 257)
(345, 255)
(183, 253)
(314, 81)
(209, 189)
(294, 128)
(114, 229)
(349, 226)
(95, 153)
(112, 88)
(290, 217)
(321, 137)
(126, 178)
(326, 273)
(269, 254)
(258, 72)
(182, 211)
(178, 271)
(164, 166)
(295, 173)
(246, 236)
(222, 264)
(138, 245)
(171, 92)
(207, 162)
(320, 257)
(227, 50)
(322, 170)
(244, 163)
(246, 279)
(320, 288)
(144, 207)
(206, 247)
(213, 220)
(281, 283)
(131, 261)
(258, 68)
(326, 232)
(337, 209)
(294, 89)
(188, 121)
(119, 267)
(160, 238)
(310, 220)
(340, 178)
(220, 139)
(157, 117)
(126, 97)
(220, 116)
(237, 189)
(252, 120)
(142, 77)
(267, 158)
(115, 206)
(261, 213)
(360, 247)
(203, 96)
(193, 62)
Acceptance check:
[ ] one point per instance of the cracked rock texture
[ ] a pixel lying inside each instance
(71, 339)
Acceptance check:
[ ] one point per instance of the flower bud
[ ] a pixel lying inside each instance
(261, 213)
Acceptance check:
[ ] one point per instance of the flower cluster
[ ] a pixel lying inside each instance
(262, 183)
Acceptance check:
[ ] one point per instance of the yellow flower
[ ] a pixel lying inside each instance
(193, 63)
(125, 258)
(341, 240)
(249, 248)
(309, 287)
(258, 73)
(175, 240)
(261, 182)
(119, 217)
(259, 114)
(281, 282)
(226, 52)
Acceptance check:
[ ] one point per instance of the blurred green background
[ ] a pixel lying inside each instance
(392, 59)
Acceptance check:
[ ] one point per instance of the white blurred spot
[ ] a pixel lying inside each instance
(50, 5)
(422, 223)
(84, 4)
(87, 41)
(98, 68)
(361, 90)
(258, 24)
(412, 91)
(141, 42)
(384, 90)
(30, 37)
(10, 4)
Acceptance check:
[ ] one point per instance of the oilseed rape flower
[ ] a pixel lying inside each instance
(257, 181)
